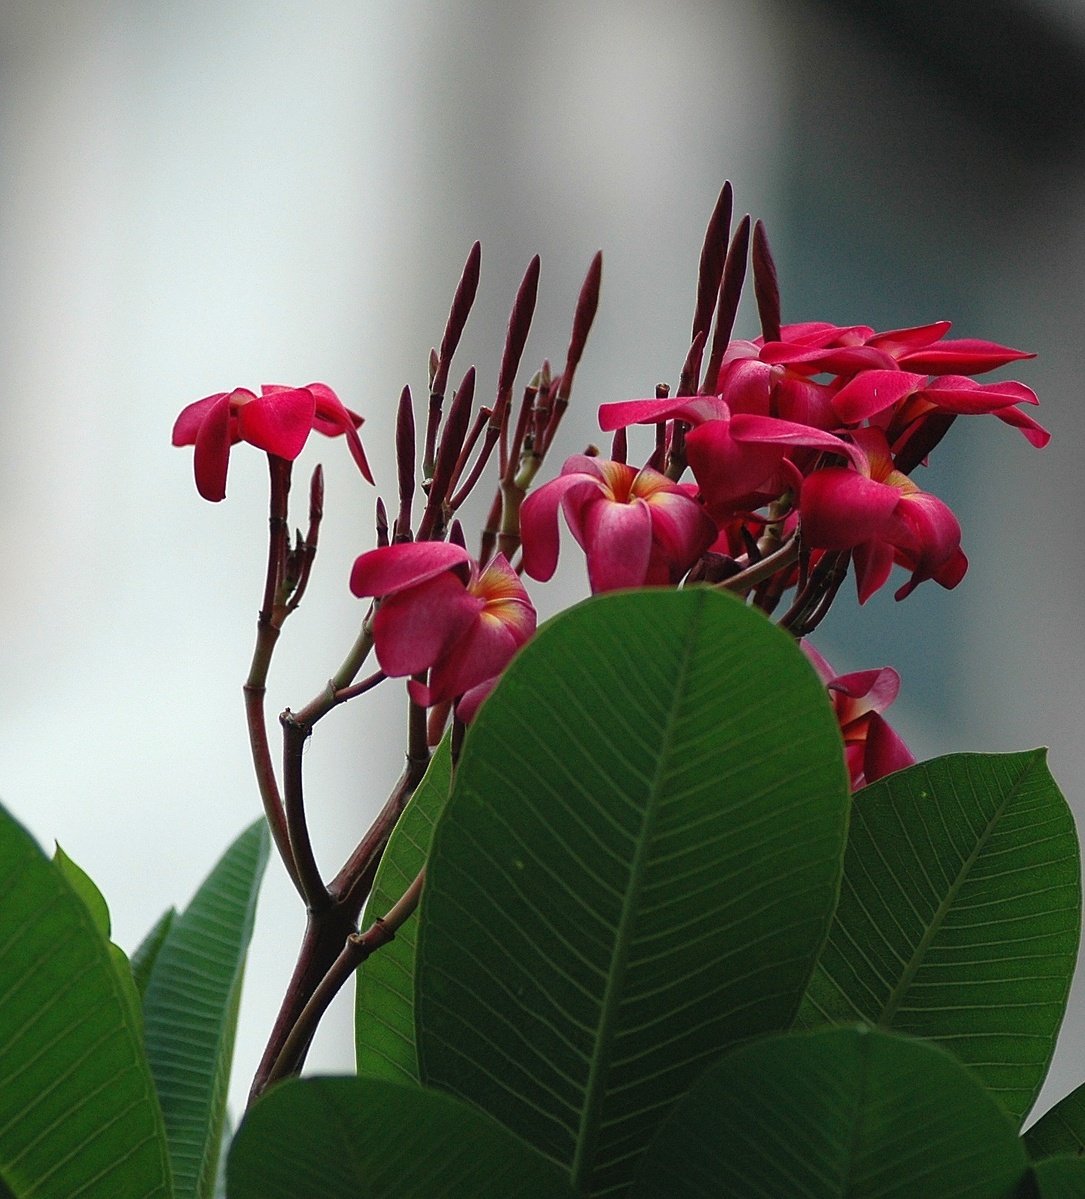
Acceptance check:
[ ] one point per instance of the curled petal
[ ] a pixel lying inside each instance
(841, 508)
(187, 426)
(333, 417)
(212, 456)
(392, 568)
(1032, 430)
(866, 691)
(681, 527)
(416, 628)
(539, 521)
(481, 650)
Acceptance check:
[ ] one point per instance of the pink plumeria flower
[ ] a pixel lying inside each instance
(278, 421)
(740, 460)
(635, 526)
(871, 748)
(440, 612)
(882, 516)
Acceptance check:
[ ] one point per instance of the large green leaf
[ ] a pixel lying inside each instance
(190, 1009)
(368, 1138)
(636, 868)
(384, 1005)
(835, 1114)
(78, 1112)
(1061, 1129)
(959, 916)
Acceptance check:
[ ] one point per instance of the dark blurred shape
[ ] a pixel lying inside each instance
(1015, 66)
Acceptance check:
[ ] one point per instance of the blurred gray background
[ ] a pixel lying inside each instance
(201, 196)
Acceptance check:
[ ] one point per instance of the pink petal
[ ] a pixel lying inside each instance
(966, 355)
(693, 409)
(896, 341)
(824, 670)
(873, 566)
(187, 426)
(212, 456)
(539, 522)
(871, 392)
(767, 430)
(681, 527)
(618, 543)
(469, 703)
(956, 393)
(835, 360)
(481, 650)
(1033, 431)
(867, 690)
(415, 628)
(885, 751)
(728, 470)
(394, 567)
(840, 508)
(333, 417)
(279, 422)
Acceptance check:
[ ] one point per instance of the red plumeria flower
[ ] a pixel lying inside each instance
(740, 461)
(440, 612)
(635, 526)
(884, 517)
(278, 420)
(871, 748)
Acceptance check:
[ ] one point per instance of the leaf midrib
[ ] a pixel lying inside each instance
(588, 1132)
(912, 966)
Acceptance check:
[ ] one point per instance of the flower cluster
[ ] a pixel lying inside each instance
(800, 447)
(828, 422)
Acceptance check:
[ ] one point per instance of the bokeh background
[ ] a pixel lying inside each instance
(199, 196)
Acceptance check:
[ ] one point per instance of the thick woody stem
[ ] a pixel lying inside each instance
(358, 947)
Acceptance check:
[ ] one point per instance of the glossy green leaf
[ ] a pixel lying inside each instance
(368, 1138)
(143, 959)
(384, 1004)
(1061, 1129)
(835, 1114)
(636, 868)
(190, 1009)
(959, 916)
(78, 1111)
(1056, 1178)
